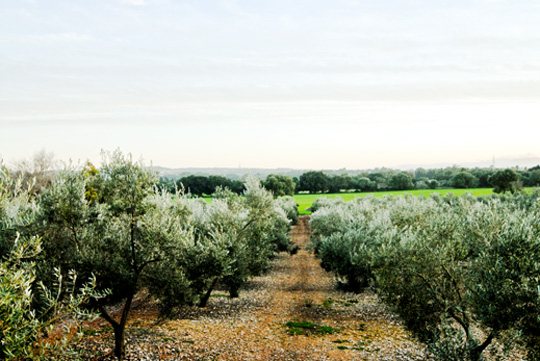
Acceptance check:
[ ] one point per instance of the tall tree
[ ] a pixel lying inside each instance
(506, 180)
(314, 182)
(464, 179)
(401, 181)
(279, 185)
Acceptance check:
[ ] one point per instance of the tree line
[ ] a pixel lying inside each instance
(372, 181)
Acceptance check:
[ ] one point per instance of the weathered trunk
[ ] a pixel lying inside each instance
(204, 299)
(234, 291)
(119, 327)
(476, 352)
(119, 342)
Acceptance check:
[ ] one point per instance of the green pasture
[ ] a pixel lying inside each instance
(304, 201)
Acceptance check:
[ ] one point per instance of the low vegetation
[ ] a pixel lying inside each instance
(307, 202)
(307, 328)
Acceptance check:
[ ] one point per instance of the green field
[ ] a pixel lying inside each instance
(304, 201)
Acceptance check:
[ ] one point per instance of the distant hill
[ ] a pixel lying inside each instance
(242, 173)
(232, 173)
(509, 162)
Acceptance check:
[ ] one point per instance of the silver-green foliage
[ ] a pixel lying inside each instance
(113, 222)
(17, 209)
(27, 333)
(459, 271)
(288, 204)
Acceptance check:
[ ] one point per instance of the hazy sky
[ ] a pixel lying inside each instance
(277, 83)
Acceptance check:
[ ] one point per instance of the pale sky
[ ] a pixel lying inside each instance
(277, 83)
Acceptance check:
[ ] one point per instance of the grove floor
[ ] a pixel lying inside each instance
(253, 326)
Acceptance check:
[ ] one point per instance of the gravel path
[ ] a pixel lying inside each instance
(253, 327)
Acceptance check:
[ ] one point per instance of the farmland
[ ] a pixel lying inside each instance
(461, 272)
(239, 180)
(152, 273)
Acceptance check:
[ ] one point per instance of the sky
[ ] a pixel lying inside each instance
(277, 83)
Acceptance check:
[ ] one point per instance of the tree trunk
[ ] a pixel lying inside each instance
(119, 343)
(204, 300)
(233, 291)
(476, 352)
(119, 328)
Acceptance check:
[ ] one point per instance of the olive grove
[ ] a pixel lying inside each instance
(110, 232)
(463, 273)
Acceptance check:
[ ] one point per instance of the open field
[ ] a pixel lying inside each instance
(305, 201)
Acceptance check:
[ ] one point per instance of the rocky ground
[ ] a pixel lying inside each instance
(292, 313)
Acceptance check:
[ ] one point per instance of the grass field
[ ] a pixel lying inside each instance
(304, 201)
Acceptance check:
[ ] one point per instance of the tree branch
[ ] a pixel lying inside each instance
(107, 316)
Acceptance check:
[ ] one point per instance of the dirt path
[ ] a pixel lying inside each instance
(253, 327)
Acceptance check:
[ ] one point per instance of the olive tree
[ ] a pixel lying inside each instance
(115, 223)
(17, 209)
(233, 239)
(114, 234)
(288, 204)
(505, 279)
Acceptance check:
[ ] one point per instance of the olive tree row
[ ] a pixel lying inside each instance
(113, 224)
(460, 272)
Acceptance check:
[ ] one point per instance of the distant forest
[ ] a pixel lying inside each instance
(365, 181)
